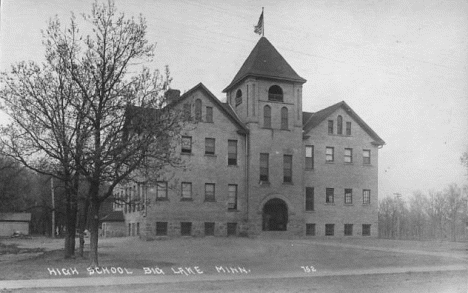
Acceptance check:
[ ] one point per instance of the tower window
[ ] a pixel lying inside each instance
(284, 118)
(238, 97)
(198, 110)
(267, 116)
(275, 93)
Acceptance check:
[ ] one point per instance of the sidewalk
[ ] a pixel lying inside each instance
(160, 279)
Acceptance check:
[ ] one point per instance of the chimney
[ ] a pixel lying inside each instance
(172, 95)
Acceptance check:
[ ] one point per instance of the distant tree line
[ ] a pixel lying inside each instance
(441, 215)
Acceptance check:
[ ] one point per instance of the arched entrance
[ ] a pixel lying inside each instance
(275, 215)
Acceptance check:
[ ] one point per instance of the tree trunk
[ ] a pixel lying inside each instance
(94, 228)
(83, 224)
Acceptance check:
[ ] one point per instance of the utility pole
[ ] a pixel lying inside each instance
(53, 205)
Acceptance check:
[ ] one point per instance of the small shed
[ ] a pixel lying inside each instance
(14, 222)
(113, 224)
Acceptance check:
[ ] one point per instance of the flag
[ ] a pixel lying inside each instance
(258, 29)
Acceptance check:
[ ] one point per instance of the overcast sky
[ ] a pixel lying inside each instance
(401, 65)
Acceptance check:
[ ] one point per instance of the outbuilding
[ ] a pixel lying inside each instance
(14, 222)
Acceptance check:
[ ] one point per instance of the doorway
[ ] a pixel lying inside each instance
(275, 215)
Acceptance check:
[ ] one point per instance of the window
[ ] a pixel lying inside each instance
(232, 152)
(187, 111)
(186, 228)
(348, 229)
(284, 118)
(161, 228)
(330, 154)
(348, 156)
(309, 199)
(238, 97)
(264, 158)
(232, 197)
(329, 229)
(138, 229)
(348, 196)
(186, 191)
(348, 128)
(209, 192)
(339, 125)
(186, 144)
(366, 196)
(330, 126)
(310, 229)
(161, 190)
(267, 116)
(330, 195)
(198, 111)
(231, 229)
(287, 168)
(209, 228)
(275, 93)
(366, 229)
(209, 114)
(366, 157)
(309, 161)
(209, 146)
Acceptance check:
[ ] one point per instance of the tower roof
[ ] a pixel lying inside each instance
(265, 61)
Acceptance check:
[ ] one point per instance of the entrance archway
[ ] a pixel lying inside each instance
(275, 215)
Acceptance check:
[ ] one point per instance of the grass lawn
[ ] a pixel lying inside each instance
(261, 256)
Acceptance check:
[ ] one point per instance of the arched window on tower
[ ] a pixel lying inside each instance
(275, 93)
(267, 116)
(339, 125)
(238, 97)
(198, 110)
(284, 118)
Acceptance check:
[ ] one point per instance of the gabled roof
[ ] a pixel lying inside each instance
(223, 107)
(316, 118)
(115, 216)
(265, 61)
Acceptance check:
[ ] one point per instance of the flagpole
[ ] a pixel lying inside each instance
(263, 30)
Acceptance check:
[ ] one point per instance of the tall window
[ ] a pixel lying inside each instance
(348, 128)
(275, 93)
(348, 229)
(209, 114)
(329, 229)
(309, 199)
(209, 192)
(330, 195)
(232, 197)
(309, 157)
(186, 145)
(348, 196)
(330, 154)
(238, 97)
(264, 167)
(209, 146)
(330, 126)
(187, 111)
(186, 191)
(161, 190)
(366, 196)
(284, 118)
(232, 152)
(287, 168)
(366, 157)
(267, 116)
(339, 124)
(198, 110)
(348, 155)
(366, 229)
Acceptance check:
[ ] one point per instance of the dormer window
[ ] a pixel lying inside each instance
(339, 126)
(275, 93)
(238, 97)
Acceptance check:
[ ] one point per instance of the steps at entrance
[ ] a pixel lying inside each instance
(276, 235)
